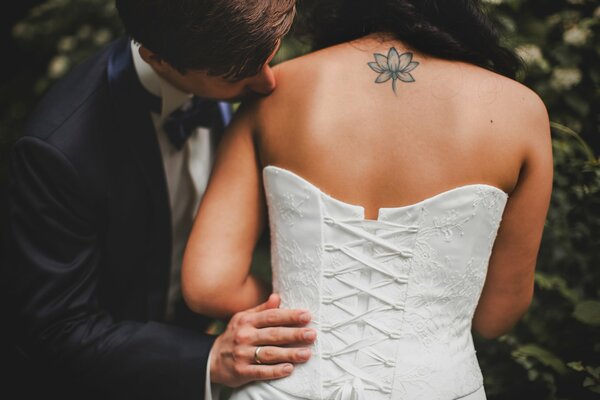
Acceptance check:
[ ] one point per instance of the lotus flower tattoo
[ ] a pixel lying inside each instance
(395, 67)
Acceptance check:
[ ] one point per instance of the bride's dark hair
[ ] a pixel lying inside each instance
(449, 29)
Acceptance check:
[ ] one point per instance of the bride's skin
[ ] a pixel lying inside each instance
(360, 142)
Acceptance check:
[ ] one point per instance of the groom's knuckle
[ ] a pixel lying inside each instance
(235, 318)
(239, 353)
(272, 336)
(242, 336)
(297, 356)
(234, 323)
(265, 373)
(268, 353)
(271, 318)
(242, 319)
(275, 373)
(239, 370)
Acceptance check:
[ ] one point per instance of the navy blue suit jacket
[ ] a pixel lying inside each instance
(85, 266)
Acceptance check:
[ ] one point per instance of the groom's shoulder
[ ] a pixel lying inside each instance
(71, 118)
(73, 101)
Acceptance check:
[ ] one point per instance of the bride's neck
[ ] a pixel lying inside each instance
(377, 40)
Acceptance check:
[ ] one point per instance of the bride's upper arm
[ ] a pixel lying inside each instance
(509, 283)
(229, 222)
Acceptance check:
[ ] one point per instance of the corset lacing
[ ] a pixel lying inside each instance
(378, 248)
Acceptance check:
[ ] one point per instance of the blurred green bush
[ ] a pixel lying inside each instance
(554, 351)
(55, 35)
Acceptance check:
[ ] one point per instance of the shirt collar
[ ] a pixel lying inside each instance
(172, 98)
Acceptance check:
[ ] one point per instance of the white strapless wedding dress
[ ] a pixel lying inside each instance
(392, 299)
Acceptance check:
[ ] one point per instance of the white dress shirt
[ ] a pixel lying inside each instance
(187, 172)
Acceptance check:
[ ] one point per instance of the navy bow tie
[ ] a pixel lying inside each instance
(198, 112)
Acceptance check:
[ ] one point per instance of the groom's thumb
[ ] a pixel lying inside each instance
(272, 302)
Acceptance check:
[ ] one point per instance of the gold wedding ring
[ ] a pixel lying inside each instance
(256, 359)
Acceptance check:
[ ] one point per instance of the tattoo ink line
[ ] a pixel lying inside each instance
(394, 66)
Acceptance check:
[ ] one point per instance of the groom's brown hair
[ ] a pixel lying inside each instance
(230, 38)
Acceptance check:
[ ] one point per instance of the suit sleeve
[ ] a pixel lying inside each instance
(52, 267)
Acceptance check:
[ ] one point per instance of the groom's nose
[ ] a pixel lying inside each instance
(264, 82)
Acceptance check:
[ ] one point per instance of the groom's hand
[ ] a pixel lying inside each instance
(233, 354)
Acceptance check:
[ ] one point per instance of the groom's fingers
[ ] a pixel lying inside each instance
(272, 302)
(284, 336)
(232, 354)
(279, 317)
(271, 355)
(265, 372)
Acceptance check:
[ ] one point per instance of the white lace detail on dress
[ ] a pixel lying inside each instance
(392, 299)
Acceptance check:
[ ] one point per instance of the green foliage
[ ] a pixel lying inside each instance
(58, 34)
(554, 351)
(588, 312)
(65, 32)
(558, 40)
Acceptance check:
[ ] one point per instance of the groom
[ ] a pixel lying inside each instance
(103, 190)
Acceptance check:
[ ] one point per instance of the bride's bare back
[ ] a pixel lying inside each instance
(366, 144)
(382, 130)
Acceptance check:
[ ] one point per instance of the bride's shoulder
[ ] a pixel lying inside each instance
(511, 93)
(306, 67)
(527, 108)
(310, 65)
(296, 80)
(513, 104)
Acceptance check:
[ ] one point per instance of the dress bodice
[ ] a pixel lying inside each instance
(392, 298)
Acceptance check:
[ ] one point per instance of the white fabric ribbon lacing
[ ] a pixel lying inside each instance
(356, 381)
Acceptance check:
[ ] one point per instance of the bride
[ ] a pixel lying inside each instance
(405, 177)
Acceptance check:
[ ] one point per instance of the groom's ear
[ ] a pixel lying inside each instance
(154, 60)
